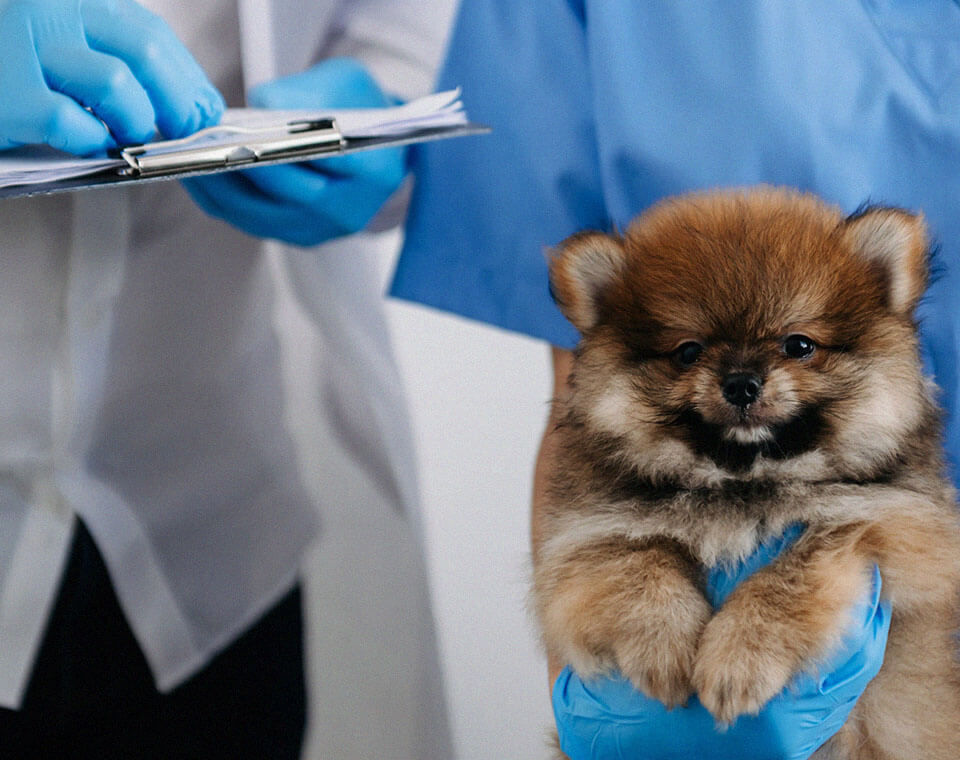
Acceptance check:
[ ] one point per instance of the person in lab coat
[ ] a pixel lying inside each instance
(193, 394)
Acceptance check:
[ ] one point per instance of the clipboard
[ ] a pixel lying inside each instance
(228, 148)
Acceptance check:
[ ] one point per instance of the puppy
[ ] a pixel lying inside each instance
(749, 360)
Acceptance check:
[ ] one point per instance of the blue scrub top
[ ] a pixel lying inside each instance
(601, 107)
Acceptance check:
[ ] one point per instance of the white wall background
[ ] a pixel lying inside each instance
(478, 398)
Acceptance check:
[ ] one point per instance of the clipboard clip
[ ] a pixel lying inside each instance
(227, 146)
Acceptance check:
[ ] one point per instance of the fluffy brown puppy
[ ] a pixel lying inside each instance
(749, 360)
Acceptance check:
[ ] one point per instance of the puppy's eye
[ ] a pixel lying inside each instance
(688, 353)
(798, 346)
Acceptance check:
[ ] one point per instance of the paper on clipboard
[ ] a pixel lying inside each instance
(244, 136)
(442, 109)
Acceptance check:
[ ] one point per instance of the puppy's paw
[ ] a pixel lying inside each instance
(736, 671)
(657, 652)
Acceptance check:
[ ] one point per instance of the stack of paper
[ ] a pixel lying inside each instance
(443, 109)
(39, 164)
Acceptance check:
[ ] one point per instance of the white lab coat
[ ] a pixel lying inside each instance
(194, 394)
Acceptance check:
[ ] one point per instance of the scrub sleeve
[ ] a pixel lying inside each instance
(487, 208)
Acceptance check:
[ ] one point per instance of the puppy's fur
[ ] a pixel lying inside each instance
(659, 475)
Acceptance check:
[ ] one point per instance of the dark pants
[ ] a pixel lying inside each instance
(91, 694)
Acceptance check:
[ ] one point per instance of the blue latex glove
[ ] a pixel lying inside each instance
(608, 718)
(308, 203)
(76, 71)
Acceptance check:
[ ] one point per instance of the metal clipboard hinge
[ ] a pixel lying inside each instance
(225, 146)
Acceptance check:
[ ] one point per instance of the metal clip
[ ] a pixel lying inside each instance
(223, 146)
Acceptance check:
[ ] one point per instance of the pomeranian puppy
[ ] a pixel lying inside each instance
(749, 360)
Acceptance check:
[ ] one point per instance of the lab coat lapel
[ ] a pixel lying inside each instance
(257, 41)
(269, 52)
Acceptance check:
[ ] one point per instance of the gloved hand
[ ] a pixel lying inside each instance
(608, 718)
(74, 69)
(308, 203)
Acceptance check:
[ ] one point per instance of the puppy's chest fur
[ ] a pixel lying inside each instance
(727, 522)
(593, 494)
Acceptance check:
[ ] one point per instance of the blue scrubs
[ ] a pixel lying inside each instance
(601, 107)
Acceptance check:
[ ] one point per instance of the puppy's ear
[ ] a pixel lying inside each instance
(895, 241)
(580, 268)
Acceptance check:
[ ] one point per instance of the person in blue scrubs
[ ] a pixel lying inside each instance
(601, 107)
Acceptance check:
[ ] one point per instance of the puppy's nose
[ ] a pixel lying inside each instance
(741, 388)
